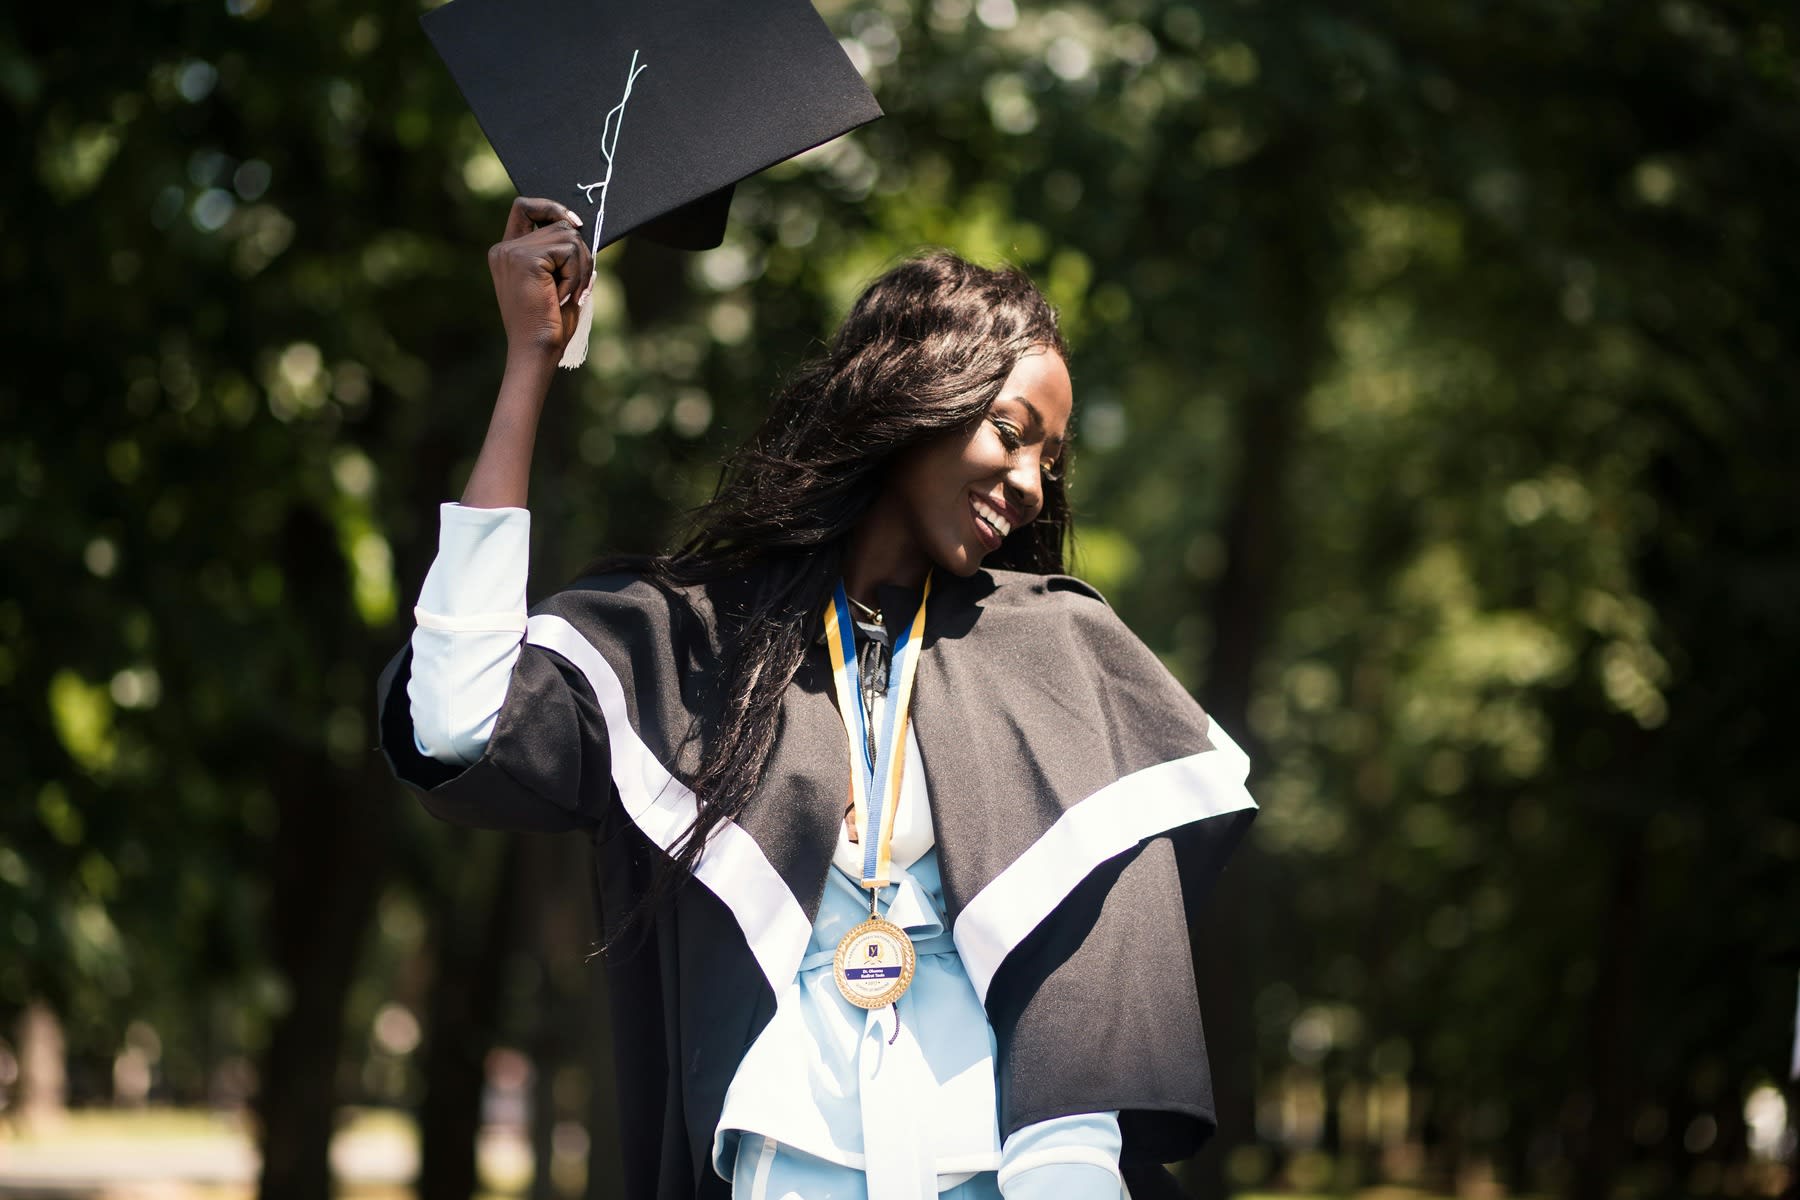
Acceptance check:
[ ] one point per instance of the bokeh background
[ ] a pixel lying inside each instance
(1434, 369)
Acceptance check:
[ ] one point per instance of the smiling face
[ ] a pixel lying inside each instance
(951, 501)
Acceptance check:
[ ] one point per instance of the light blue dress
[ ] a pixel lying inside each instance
(831, 1102)
(832, 1097)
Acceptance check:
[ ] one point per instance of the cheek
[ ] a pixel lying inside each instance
(933, 478)
(981, 454)
(947, 464)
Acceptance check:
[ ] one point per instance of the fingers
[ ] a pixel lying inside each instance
(571, 279)
(571, 265)
(584, 273)
(554, 253)
(576, 277)
(539, 274)
(530, 212)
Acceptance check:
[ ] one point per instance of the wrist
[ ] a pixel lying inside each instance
(531, 367)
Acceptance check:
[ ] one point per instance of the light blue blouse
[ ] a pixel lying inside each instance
(830, 1099)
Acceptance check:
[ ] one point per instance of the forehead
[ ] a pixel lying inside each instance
(1040, 380)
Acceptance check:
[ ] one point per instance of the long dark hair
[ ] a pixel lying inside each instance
(923, 352)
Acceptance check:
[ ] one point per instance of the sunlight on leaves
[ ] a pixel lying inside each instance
(82, 714)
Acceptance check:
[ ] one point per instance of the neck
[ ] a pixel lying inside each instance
(881, 554)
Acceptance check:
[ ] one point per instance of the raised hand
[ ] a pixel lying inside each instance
(541, 266)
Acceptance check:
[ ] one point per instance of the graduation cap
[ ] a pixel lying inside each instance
(642, 116)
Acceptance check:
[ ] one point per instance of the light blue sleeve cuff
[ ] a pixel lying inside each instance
(1064, 1158)
(470, 621)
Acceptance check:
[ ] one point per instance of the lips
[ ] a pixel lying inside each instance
(991, 525)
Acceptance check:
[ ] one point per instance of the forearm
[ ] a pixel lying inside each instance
(502, 474)
(1065, 1158)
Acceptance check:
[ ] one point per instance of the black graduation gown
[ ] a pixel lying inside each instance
(1083, 806)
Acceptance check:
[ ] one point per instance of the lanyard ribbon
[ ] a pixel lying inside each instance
(876, 763)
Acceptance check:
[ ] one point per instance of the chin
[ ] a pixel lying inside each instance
(959, 560)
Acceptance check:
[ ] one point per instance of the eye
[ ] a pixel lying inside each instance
(1010, 435)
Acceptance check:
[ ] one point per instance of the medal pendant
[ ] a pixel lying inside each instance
(874, 963)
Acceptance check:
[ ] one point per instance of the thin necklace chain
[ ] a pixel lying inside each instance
(874, 614)
(872, 681)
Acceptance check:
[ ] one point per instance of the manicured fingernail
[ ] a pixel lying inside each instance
(585, 293)
(565, 300)
(576, 217)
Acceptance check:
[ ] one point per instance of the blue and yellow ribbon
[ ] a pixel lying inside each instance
(874, 778)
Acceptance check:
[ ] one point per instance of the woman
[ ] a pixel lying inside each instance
(898, 830)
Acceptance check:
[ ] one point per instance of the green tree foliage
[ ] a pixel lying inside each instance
(1431, 367)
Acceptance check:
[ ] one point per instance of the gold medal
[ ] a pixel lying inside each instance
(874, 963)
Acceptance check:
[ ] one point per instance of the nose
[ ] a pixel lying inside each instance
(1025, 487)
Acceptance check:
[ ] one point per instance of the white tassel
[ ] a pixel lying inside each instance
(575, 353)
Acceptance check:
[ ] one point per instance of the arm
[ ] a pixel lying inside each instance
(469, 679)
(471, 611)
(471, 617)
(1064, 1158)
(540, 267)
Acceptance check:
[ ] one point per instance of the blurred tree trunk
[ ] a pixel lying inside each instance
(1678, 1161)
(327, 876)
(1601, 1150)
(473, 929)
(1444, 1146)
(1731, 1148)
(546, 1060)
(560, 928)
(1332, 1077)
(547, 1033)
(1513, 1159)
(1245, 605)
(1224, 941)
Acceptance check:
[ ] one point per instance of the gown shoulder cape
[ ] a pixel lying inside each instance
(1083, 805)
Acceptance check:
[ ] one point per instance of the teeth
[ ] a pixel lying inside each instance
(992, 517)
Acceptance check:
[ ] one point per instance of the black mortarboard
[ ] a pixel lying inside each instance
(713, 91)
